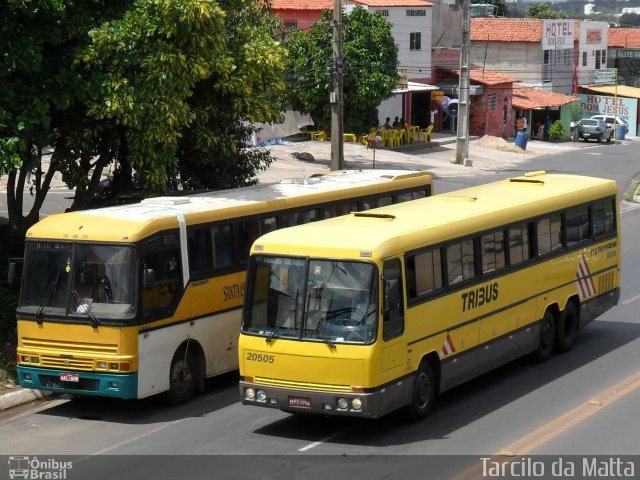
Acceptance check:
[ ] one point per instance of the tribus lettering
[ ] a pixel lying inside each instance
(233, 292)
(479, 296)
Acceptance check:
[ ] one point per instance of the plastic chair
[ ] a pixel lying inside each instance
(426, 133)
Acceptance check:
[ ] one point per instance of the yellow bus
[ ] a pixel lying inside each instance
(134, 300)
(373, 311)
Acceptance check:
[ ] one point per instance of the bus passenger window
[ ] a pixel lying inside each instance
(460, 261)
(200, 250)
(424, 273)
(268, 225)
(577, 225)
(393, 308)
(247, 233)
(603, 217)
(404, 197)
(549, 234)
(347, 208)
(386, 200)
(223, 245)
(163, 271)
(369, 203)
(519, 245)
(492, 246)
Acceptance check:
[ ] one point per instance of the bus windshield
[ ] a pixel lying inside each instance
(317, 300)
(79, 280)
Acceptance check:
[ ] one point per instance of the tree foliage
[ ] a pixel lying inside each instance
(141, 85)
(544, 10)
(370, 69)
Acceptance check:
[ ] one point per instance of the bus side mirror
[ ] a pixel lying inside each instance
(11, 272)
(148, 278)
(14, 270)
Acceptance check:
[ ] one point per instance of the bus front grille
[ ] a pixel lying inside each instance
(324, 387)
(63, 346)
(51, 361)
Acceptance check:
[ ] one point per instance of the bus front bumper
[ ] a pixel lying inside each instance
(88, 383)
(364, 405)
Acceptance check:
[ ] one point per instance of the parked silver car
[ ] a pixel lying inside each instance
(594, 128)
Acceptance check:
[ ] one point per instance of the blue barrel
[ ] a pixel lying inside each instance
(620, 132)
(521, 140)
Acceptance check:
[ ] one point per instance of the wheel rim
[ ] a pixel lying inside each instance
(181, 377)
(423, 391)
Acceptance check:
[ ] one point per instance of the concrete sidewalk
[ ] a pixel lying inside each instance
(487, 155)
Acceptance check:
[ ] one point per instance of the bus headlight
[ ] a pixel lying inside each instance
(343, 404)
(261, 396)
(250, 394)
(356, 403)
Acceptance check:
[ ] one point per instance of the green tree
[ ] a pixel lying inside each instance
(544, 10)
(370, 69)
(113, 82)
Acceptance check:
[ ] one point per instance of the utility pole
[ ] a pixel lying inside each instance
(462, 141)
(337, 145)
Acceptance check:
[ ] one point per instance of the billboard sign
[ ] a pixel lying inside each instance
(557, 34)
(623, 107)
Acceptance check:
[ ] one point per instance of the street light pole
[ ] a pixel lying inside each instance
(337, 145)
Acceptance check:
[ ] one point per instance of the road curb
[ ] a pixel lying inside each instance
(20, 397)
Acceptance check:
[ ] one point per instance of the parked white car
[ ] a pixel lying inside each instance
(610, 121)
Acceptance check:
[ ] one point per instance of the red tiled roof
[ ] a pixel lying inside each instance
(490, 77)
(328, 4)
(528, 98)
(511, 30)
(624, 37)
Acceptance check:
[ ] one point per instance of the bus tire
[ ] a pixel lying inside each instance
(423, 394)
(547, 337)
(566, 328)
(183, 378)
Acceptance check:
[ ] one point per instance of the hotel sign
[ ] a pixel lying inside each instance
(557, 34)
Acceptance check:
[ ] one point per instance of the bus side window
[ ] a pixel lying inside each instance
(549, 234)
(519, 243)
(603, 217)
(393, 307)
(577, 225)
(424, 273)
(492, 248)
(223, 245)
(460, 262)
(162, 274)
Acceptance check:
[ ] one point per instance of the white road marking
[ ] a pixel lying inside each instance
(328, 438)
(630, 300)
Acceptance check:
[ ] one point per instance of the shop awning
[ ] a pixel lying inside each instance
(620, 90)
(528, 98)
(416, 87)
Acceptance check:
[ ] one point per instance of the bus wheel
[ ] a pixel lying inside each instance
(547, 337)
(424, 392)
(183, 378)
(566, 328)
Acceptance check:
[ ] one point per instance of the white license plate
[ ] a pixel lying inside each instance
(586, 134)
(299, 402)
(70, 377)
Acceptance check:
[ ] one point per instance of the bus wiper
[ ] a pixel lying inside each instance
(50, 290)
(95, 322)
(284, 320)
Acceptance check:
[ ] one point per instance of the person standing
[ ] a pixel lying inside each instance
(524, 123)
(434, 111)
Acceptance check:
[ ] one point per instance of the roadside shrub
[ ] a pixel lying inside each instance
(556, 132)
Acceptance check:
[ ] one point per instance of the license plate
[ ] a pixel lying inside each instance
(299, 402)
(586, 134)
(69, 377)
